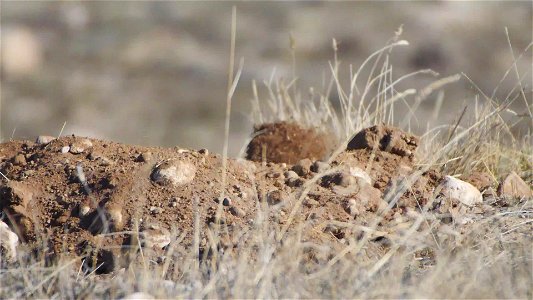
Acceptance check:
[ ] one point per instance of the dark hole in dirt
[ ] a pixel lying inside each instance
(101, 262)
(96, 222)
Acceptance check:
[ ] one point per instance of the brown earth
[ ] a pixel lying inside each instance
(91, 197)
(286, 142)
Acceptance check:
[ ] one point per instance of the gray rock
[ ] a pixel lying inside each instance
(276, 197)
(234, 210)
(175, 172)
(303, 167)
(9, 241)
(80, 146)
(44, 139)
(464, 192)
(291, 175)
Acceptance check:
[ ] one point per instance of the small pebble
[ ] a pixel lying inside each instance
(174, 172)
(225, 201)
(19, 160)
(276, 197)
(303, 167)
(237, 212)
(44, 139)
(156, 210)
(9, 241)
(291, 175)
(80, 146)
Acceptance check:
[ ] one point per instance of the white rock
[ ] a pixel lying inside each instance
(80, 146)
(9, 241)
(65, 149)
(358, 173)
(174, 172)
(138, 296)
(462, 191)
(44, 139)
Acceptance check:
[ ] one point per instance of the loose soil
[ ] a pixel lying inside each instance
(90, 197)
(286, 142)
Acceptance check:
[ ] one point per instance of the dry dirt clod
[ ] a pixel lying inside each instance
(385, 138)
(367, 198)
(8, 241)
(464, 192)
(234, 210)
(155, 236)
(44, 139)
(286, 142)
(19, 160)
(480, 180)
(115, 217)
(513, 186)
(79, 146)
(15, 194)
(303, 167)
(276, 197)
(345, 180)
(175, 172)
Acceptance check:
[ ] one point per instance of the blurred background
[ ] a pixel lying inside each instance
(154, 73)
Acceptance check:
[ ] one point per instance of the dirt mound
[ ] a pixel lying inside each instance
(101, 200)
(285, 142)
(385, 138)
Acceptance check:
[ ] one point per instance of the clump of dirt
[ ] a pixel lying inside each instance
(385, 138)
(286, 142)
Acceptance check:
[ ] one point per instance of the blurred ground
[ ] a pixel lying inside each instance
(154, 73)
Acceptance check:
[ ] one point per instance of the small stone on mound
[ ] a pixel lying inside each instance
(44, 139)
(462, 191)
(514, 186)
(80, 146)
(285, 142)
(8, 241)
(174, 172)
(385, 138)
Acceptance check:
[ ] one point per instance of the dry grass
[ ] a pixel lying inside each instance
(487, 258)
